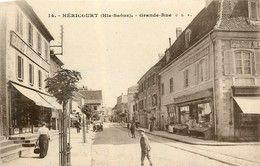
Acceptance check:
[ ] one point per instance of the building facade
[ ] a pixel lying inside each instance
(212, 73)
(121, 108)
(25, 64)
(132, 103)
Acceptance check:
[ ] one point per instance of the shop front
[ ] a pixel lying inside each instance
(193, 115)
(27, 110)
(246, 104)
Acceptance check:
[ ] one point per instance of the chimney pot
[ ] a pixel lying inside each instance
(178, 31)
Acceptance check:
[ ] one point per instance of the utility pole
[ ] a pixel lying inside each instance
(64, 143)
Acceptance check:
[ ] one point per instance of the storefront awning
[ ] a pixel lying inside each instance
(51, 100)
(249, 105)
(33, 95)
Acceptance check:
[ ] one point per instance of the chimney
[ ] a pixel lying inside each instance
(170, 42)
(178, 31)
(207, 2)
(160, 55)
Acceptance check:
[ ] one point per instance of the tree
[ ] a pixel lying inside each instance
(87, 110)
(62, 86)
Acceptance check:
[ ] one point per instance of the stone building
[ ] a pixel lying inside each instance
(24, 64)
(212, 73)
(121, 108)
(132, 103)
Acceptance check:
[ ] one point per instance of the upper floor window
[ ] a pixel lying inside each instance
(186, 78)
(243, 62)
(187, 37)
(46, 50)
(30, 34)
(162, 88)
(154, 100)
(39, 46)
(95, 107)
(254, 10)
(31, 74)
(154, 78)
(40, 79)
(19, 22)
(171, 85)
(20, 68)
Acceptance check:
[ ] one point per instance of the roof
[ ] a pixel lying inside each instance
(28, 10)
(91, 95)
(231, 15)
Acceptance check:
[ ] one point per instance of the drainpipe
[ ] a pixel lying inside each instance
(214, 87)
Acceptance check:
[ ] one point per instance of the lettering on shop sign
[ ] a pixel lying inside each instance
(194, 96)
(20, 45)
(246, 91)
(245, 44)
(194, 58)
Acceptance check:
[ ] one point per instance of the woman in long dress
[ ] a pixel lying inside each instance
(44, 136)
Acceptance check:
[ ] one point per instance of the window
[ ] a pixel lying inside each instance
(187, 37)
(95, 107)
(154, 79)
(19, 22)
(200, 71)
(254, 10)
(40, 79)
(162, 88)
(20, 68)
(154, 100)
(39, 47)
(186, 78)
(46, 50)
(30, 34)
(243, 62)
(171, 85)
(31, 74)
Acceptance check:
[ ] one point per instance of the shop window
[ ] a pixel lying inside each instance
(243, 62)
(20, 68)
(186, 78)
(30, 34)
(40, 79)
(254, 10)
(31, 74)
(39, 46)
(185, 114)
(171, 85)
(204, 114)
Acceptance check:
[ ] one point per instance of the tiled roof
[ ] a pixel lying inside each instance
(234, 16)
(91, 95)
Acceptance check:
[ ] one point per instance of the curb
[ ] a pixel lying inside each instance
(204, 144)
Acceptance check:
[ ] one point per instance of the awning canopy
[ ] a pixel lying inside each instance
(33, 95)
(249, 105)
(51, 100)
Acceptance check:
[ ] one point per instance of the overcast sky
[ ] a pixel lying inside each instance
(112, 54)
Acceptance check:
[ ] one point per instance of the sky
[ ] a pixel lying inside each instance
(112, 54)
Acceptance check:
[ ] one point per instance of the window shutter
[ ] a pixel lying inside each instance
(228, 63)
(21, 24)
(207, 68)
(22, 68)
(17, 21)
(196, 73)
(257, 62)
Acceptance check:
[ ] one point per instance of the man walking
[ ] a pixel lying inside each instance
(132, 129)
(145, 148)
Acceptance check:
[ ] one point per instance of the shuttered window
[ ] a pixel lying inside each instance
(254, 10)
(228, 63)
(40, 79)
(171, 85)
(31, 74)
(257, 62)
(243, 61)
(30, 34)
(186, 78)
(20, 68)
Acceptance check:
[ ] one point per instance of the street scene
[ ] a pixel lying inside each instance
(118, 83)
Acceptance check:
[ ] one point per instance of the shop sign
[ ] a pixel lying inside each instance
(245, 44)
(16, 130)
(246, 91)
(194, 96)
(20, 45)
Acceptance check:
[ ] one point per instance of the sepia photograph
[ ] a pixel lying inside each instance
(129, 83)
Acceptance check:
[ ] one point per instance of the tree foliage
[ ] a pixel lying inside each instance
(63, 84)
(87, 110)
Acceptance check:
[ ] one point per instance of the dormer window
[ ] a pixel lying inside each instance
(187, 37)
(254, 10)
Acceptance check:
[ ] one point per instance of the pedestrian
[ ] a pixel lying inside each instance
(145, 148)
(78, 126)
(43, 137)
(132, 129)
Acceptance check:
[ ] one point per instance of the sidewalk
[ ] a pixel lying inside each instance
(80, 152)
(192, 140)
